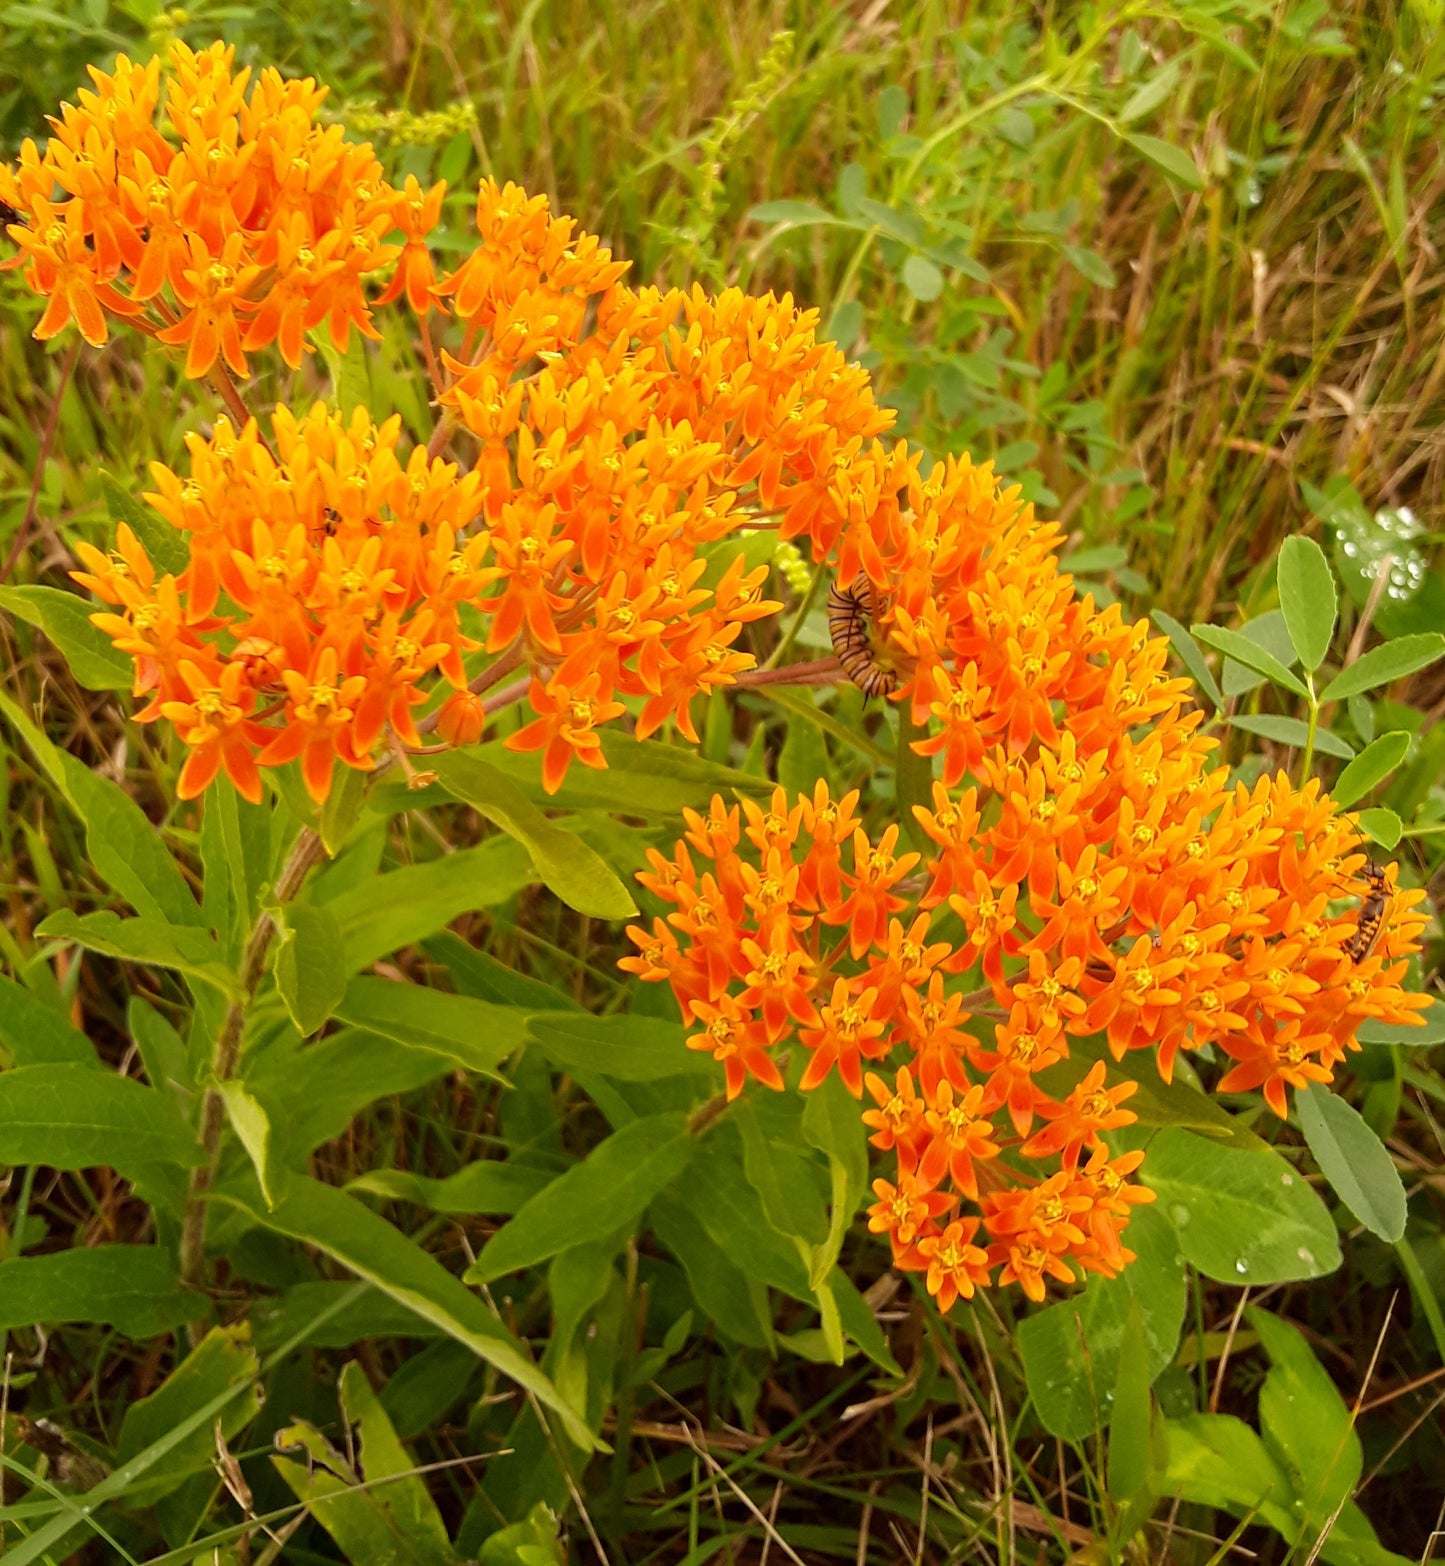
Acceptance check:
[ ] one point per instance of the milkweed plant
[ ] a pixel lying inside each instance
(1064, 926)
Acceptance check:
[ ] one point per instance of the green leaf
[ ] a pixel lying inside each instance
(122, 844)
(576, 873)
(489, 1185)
(1089, 264)
(794, 214)
(1371, 767)
(1174, 161)
(1307, 599)
(922, 278)
(472, 1034)
(342, 809)
(832, 1123)
(1431, 1031)
(252, 1125)
(365, 1243)
(1381, 825)
(533, 1542)
(33, 1033)
(913, 777)
(1239, 1216)
(603, 1194)
(132, 1288)
(1127, 1474)
(1354, 1160)
(1293, 731)
(75, 1117)
(219, 1361)
(1305, 1423)
(1071, 1350)
(405, 906)
(1243, 651)
(166, 546)
(396, 1499)
(1190, 656)
(1384, 664)
(1152, 92)
(1217, 1460)
(310, 965)
(625, 1048)
(784, 1176)
(65, 619)
(185, 949)
(222, 1359)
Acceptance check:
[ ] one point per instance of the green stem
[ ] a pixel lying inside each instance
(1307, 761)
(306, 853)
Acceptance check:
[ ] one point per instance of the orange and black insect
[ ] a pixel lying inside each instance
(1370, 922)
(850, 625)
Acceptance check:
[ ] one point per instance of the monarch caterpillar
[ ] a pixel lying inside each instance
(1371, 919)
(850, 613)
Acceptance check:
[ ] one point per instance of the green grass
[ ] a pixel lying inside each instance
(1166, 349)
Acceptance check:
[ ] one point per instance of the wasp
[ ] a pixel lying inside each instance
(851, 611)
(1370, 922)
(330, 521)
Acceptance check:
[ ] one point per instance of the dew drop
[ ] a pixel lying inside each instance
(1350, 548)
(1180, 1214)
(1286, 1179)
(1307, 1256)
(1241, 1266)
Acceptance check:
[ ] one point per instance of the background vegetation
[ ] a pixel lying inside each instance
(1177, 265)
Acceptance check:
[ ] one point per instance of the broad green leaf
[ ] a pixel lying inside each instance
(221, 1360)
(310, 965)
(922, 278)
(1089, 264)
(832, 1123)
(1307, 599)
(407, 905)
(489, 1185)
(1265, 630)
(313, 1096)
(535, 1541)
(1071, 1350)
(252, 1125)
(397, 1491)
(1384, 664)
(912, 778)
(1174, 161)
(162, 1050)
(184, 948)
(625, 1048)
(75, 1117)
(472, 1034)
(1381, 825)
(132, 1288)
(333, 1314)
(1371, 767)
(1431, 1029)
(1190, 656)
(794, 214)
(1354, 1160)
(365, 1243)
(123, 845)
(65, 619)
(575, 872)
(1292, 731)
(1152, 92)
(784, 1176)
(1217, 1460)
(167, 546)
(1305, 1423)
(1244, 651)
(603, 1194)
(1127, 1474)
(342, 809)
(734, 1303)
(33, 1033)
(1239, 1216)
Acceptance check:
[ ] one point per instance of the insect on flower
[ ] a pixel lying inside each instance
(851, 612)
(1370, 922)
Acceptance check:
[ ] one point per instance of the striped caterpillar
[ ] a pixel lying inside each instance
(850, 616)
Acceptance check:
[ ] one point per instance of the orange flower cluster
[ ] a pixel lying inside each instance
(1095, 878)
(233, 223)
